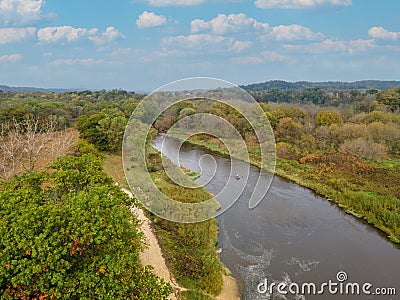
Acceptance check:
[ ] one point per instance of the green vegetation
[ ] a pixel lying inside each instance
(103, 130)
(114, 168)
(363, 96)
(66, 107)
(390, 98)
(331, 86)
(62, 228)
(68, 234)
(350, 157)
(193, 295)
(189, 248)
(328, 118)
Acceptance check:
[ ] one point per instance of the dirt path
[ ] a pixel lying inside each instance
(153, 256)
(230, 290)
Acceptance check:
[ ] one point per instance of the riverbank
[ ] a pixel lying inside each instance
(153, 255)
(350, 194)
(163, 258)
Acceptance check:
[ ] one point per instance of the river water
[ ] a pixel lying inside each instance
(293, 236)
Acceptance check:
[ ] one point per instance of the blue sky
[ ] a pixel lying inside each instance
(143, 44)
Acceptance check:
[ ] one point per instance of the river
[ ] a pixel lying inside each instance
(293, 236)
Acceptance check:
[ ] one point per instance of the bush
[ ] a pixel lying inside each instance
(287, 151)
(76, 242)
(363, 149)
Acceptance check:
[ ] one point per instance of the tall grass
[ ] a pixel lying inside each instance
(189, 248)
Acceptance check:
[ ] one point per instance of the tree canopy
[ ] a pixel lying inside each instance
(69, 234)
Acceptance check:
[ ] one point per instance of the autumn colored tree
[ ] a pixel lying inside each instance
(363, 149)
(288, 130)
(390, 98)
(328, 117)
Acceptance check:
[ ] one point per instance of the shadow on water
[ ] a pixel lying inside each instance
(293, 236)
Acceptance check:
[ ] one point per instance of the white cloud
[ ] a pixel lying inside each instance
(195, 40)
(228, 23)
(198, 25)
(359, 45)
(64, 33)
(150, 19)
(12, 35)
(77, 61)
(20, 11)
(10, 58)
(240, 46)
(111, 34)
(382, 33)
(207, 42)
(294, 33)
(301, 4)
(121, 52)
(71, 34)
(321, 47)
(333, 46)
(263, 57)
(175, 2)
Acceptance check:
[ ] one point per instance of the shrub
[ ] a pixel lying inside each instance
(76, 242)
(287, 151)
(363, 149)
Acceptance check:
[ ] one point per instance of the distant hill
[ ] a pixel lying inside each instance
(255, 87)
(328, 86)
(14, 89)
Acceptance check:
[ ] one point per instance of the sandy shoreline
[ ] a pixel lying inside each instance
(153, 256)
(230, 290)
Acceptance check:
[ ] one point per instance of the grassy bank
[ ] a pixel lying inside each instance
(372, 196)
(189, 249)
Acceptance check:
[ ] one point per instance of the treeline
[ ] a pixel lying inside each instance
(320, 97)
(365, 101)
(68, 233)
(329, 86)
(67, 107)
(100, 116)
(307, 129)
(24, 89)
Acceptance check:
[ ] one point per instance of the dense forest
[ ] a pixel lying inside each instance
(330, 86)
(344, 145)
(22, 89)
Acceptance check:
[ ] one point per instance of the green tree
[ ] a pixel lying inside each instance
(328, 117)
(113, 129)
(390, 98)
(187, 111)
(76, 243)
(88, 128)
